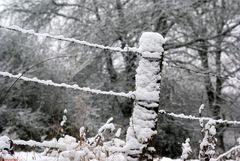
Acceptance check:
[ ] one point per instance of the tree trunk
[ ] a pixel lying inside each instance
(213, 95)
(203, 53)
(217, 105)
(218, 98)
(110, 68)
(129, 60)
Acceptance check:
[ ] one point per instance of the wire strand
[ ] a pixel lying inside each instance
(71, 40)
(64, 85)
(191, 117)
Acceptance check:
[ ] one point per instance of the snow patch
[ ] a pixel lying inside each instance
(150, 44)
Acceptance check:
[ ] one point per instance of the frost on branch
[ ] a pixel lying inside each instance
(64, 119)
(207, 146)
(143, 121)
(186, 149)
(201, 108)
(63, 122)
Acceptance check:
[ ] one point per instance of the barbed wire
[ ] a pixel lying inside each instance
(87, 89)
(55, 144)
(64, 85)
(116, 49)
(191, 117)
(71, 40)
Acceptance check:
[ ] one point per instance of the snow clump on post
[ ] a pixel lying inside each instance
(144, 118)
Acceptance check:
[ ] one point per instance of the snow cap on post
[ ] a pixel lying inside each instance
(150, 44)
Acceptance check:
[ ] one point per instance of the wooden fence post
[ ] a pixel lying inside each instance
(145, 113)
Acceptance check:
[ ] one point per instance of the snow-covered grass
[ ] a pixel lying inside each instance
(33, 156)
(30, 156)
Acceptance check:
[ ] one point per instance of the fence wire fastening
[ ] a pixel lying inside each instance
(191, 117)
(64, 85)
(71, 40)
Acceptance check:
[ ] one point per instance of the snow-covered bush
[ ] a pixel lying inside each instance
(5, 148)
(207, 146)
(233, 153)
(96, 148)
(186, 149)
(63, 122)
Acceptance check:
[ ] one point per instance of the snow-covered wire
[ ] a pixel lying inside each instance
(190, 117)
(71, 40)
(226, 153)
(116, 49)
(64, 85)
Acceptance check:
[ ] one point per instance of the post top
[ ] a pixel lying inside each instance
(151, 42)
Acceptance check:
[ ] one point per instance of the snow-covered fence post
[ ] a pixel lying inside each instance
(144, 118)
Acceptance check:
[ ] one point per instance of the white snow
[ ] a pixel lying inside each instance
(4, 142)
(227, 153)
(207, 146)
(63, 121)
(186, 149)
(75, 86)
(118, 133)
(107, 126)
(211, 127)
(82, 133)
(191, 117)
(117, 157)
(201, 108)
(151, 44)
(143, 120)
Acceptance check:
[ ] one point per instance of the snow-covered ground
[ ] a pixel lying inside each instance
(30, 156)
(33, 156)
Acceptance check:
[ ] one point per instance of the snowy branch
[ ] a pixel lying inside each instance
(71, 40)
(32, 143)
(186, 150)
(226, 153)
(190, 117)
(64, 85)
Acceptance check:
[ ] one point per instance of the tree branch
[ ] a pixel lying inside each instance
(225, 32)
(72, 5)
(48, 12)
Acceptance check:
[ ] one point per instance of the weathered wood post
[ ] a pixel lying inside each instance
(144, 118)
